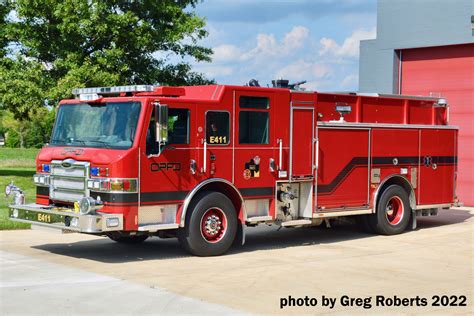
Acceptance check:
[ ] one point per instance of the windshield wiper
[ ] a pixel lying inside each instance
(106, 144)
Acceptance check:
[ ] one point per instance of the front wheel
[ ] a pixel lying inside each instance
(393, 212)
(211, 225)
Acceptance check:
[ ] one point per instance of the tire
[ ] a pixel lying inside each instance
(211, 225)
(393, 212)
(135, 239)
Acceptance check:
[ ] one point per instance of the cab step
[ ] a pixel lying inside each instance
(259, 219)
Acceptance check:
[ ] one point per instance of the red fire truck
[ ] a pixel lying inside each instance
(202, 162)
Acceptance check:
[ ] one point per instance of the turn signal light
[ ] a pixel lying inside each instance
(113, 185)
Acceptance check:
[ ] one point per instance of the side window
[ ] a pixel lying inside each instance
(254, 125)
(178, 130)
(178, 126)
(217, 128)
(248, 102)
(152, 147)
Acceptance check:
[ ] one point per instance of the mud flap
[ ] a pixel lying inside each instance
(240, 236)
(413, 220)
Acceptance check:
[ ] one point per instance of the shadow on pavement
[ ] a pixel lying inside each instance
(257, 239)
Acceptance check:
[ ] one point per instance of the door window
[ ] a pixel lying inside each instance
(254, 125)
(178, 130)
(217, 128)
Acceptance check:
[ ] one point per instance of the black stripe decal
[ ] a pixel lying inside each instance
(163, 196)
(376, 161)
(342, 174)
(248, 192)
(116, 197)
(42, 191)
(389, 160)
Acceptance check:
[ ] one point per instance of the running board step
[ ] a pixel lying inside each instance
(258, 219)
(297, 222)
(157, 227)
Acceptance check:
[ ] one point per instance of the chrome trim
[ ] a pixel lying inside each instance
(233, 136)
(96, 223)
(411, 197)
(422, 207)
(157, 227)
(111, 180)
(55, 165)
(196, 189)
(297, 222)
(280, 153)
(369, 155)
(257, 219)
(336, 212)
(204, 168)
(290, 167)
(383, 125)
(385, 95)
(315, 183)
(419, 169)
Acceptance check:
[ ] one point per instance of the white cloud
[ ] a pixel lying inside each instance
(295, 55)
(295, 38)
(302, 70)
(226, 52)
(350, 46)
(269, 46)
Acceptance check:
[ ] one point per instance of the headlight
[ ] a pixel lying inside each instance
(41, 179)
(88, 205)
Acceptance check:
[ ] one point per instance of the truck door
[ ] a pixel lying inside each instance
(302, 143)
(437, 166)
(255, 143)
(165, 179)
(343, 176)
(215, 143)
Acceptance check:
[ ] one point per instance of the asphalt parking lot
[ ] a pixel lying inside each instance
(51, 273)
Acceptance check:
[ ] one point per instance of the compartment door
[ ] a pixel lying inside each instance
(302, 143)
(343, 174)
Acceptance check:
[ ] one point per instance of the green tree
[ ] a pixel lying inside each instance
(53, 46)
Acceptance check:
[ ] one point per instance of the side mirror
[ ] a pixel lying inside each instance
(161, 119)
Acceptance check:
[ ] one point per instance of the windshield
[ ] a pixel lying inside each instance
(104, 125)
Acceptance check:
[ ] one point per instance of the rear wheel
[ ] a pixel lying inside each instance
(393, 212)
(211, 225)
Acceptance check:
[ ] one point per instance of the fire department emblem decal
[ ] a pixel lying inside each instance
(76, 151)
(247, 174)
(252, 168)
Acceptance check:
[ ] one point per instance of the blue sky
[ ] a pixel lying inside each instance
(316, 40)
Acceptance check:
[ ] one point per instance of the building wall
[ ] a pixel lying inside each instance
(448, 71)
(426, 47)
(409, 24)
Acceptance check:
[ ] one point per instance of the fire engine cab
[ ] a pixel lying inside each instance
(202, 162)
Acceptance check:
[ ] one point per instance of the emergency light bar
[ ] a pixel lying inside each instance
(113, 90)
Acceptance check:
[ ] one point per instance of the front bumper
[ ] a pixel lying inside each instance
(65, 219)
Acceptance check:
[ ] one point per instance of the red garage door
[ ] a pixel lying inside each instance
(447, 71)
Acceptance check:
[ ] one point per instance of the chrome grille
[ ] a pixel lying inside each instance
(68, 180)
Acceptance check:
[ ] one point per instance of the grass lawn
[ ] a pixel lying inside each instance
(17, 165)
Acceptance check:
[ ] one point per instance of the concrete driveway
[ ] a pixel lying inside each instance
(48, 272)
